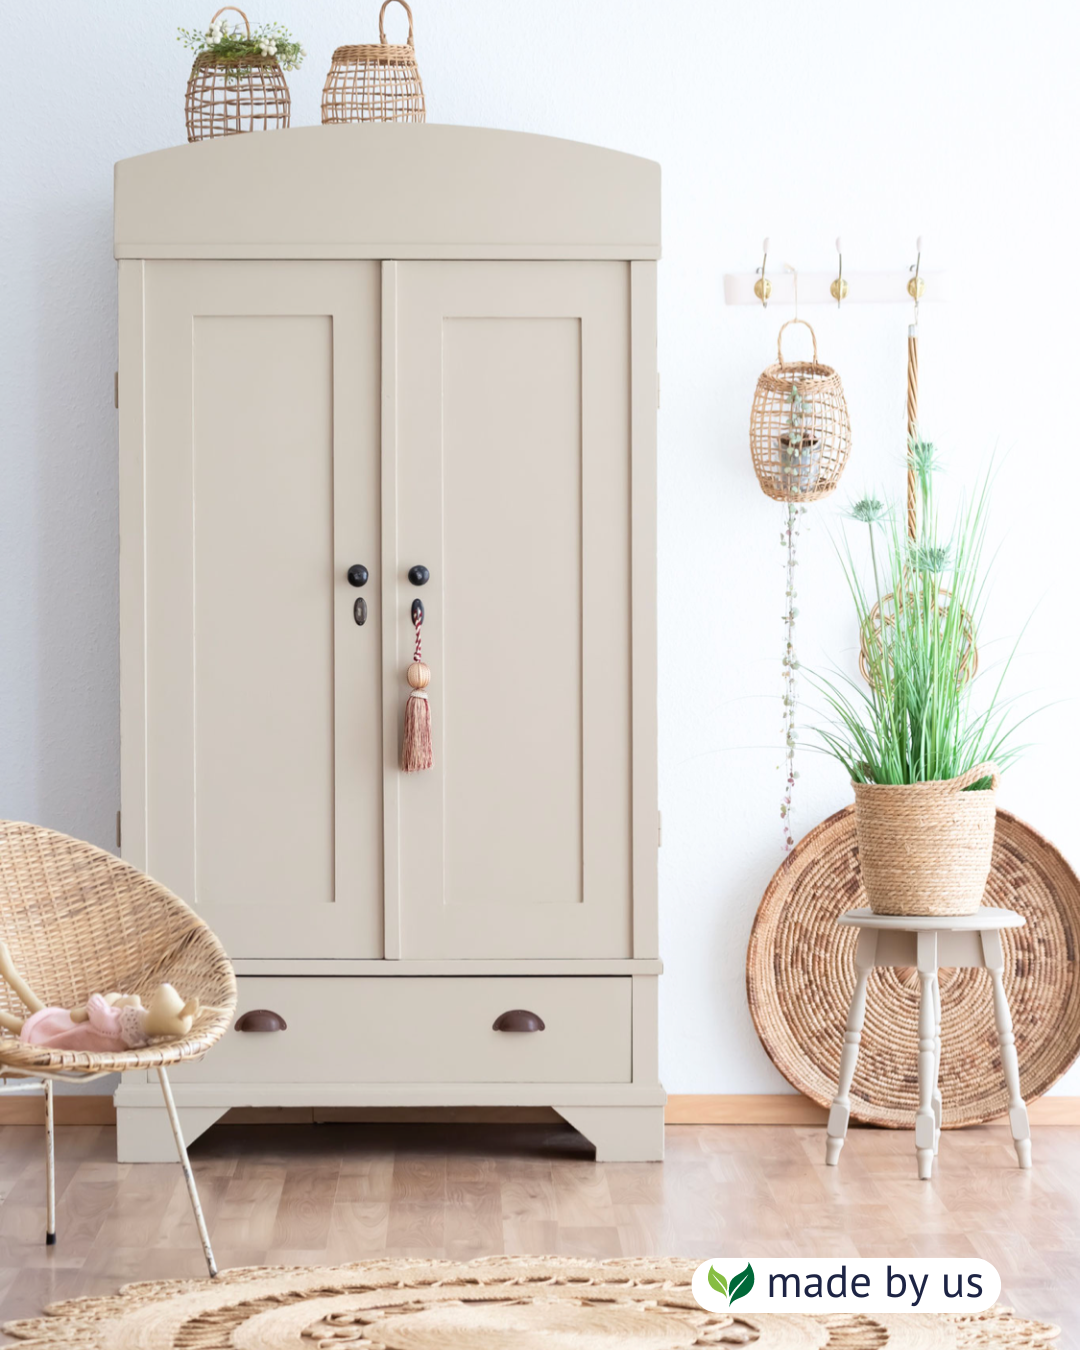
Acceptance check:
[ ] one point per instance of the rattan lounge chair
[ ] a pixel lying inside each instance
(78, 921)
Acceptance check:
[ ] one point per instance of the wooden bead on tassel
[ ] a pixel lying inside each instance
(418, 675)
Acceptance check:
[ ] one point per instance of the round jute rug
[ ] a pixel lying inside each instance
(501, 1303)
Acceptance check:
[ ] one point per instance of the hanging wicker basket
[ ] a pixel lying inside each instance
(227, 95)
(376, 82)
(926, 848)
(800, 435)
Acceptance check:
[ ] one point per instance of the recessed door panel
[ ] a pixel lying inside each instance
(511, 656)
(263, 694)
(513, 488)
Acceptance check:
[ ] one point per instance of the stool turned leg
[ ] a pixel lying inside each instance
(925, 1120)
(937, 1064)
(840, 1111)
(1018, 1116)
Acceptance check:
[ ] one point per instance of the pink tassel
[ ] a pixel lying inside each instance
(416, 742)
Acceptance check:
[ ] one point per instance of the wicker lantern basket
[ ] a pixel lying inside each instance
(227, 95)
(375, 82)
(800, 435)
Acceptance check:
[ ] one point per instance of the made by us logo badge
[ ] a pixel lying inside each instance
(851, 1284)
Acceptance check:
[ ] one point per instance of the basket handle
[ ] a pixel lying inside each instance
(235, 11)
(382, 30)
(986, 770)
(780, 339)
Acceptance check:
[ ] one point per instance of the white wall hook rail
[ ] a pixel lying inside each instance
(814, 287)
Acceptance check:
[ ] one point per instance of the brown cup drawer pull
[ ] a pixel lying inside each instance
(261, 1019)
(518, 1019)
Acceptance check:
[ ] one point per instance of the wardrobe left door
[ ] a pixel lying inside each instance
(263, 701)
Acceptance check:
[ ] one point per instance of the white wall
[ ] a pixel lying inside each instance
(795, 120)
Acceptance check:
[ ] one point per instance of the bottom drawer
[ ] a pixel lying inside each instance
(427, 1029)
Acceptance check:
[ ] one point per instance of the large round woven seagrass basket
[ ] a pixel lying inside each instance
(800, 976)
(926, 848)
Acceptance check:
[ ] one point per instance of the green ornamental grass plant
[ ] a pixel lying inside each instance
(918, 719)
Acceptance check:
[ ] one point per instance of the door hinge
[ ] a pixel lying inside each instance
(116, 388)
(659, 829)
(118, 833)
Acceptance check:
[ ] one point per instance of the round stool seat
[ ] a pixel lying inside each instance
(982, 919)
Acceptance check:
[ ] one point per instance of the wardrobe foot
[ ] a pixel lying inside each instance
(620, 1133)
(143, 1133)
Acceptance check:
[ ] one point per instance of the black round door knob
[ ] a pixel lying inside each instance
(419, 576)
(357, 575)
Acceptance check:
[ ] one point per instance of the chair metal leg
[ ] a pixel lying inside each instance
(189, 1176)
(50, 1166)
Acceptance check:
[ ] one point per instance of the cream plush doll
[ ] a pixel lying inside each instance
(107, 1023)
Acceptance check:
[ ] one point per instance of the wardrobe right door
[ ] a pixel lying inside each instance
(507, 423)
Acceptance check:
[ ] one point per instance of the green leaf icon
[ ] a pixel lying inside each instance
(741, 1284)
(717, 1281)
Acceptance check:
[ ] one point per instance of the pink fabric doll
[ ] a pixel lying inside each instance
(102, 1032)
(109, 1022)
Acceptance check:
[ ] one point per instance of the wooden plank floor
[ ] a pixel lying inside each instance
(333, 1193)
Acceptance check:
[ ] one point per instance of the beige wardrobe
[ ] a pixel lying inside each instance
(362, 366)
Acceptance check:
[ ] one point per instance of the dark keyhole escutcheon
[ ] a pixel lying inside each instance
(359, 610)
(261, 1019)
(419, 575)
(357, 575)
(518, 1019)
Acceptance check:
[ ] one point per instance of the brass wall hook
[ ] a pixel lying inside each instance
(839, 288)
(916, 287)
(763, 286)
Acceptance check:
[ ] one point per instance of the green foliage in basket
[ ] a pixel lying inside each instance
(231, 44)
(917, 720)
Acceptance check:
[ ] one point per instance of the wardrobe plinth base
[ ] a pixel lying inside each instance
(623, 1122)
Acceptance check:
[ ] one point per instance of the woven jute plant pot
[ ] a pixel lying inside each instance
(375, 82)
(228, 95)
(926, 848)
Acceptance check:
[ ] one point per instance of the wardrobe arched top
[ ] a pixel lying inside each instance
(387, 190)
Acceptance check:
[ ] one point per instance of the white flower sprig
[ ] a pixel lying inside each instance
(234, 44)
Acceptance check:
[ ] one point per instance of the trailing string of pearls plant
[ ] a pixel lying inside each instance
(800, 437)
(788, 540)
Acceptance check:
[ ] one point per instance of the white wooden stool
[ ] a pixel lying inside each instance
(927, 943)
